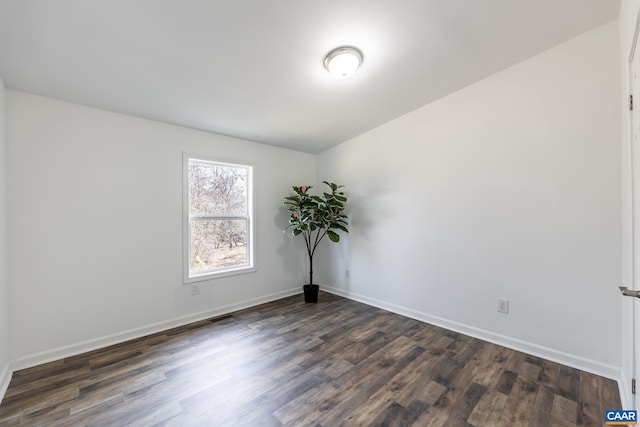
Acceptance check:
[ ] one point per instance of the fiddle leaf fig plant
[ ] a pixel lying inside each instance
(314, 217)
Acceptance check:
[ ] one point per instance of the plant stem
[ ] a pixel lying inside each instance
(307, 240)
(311, 269)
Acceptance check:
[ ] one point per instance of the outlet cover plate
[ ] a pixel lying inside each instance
(503, 306)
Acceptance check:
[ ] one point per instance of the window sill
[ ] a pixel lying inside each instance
(219, 275)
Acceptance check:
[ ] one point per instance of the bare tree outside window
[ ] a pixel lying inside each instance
(219, 216)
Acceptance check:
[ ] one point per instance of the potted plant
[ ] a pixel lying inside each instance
(313, 218)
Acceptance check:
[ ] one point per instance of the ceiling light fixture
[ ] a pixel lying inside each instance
(342, 62)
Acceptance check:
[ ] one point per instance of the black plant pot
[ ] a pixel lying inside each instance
(311, 293)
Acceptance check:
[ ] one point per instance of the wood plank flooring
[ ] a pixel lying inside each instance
(335, 363)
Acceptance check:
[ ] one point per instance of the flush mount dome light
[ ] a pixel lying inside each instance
(342, 62)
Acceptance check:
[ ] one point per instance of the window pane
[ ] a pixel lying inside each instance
(217, 189)
(217, 244)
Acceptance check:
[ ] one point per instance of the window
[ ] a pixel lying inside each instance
(218, 219)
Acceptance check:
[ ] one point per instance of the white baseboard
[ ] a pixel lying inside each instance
(97, 343)
(574, 361)
(5, 379)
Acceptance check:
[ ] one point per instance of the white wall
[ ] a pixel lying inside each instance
(5, 369)
(95, 204)
(628, 12)
(508, 188)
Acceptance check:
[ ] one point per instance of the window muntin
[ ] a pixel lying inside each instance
(218, 223)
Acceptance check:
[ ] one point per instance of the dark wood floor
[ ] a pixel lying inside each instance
(337, 363)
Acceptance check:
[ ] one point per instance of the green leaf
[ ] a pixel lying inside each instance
(339, 227)
(333, 186)
(296, 232)
(334, 237)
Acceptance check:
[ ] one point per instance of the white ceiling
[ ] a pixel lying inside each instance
(253, 68)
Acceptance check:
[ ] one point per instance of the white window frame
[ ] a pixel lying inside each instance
(191, 277)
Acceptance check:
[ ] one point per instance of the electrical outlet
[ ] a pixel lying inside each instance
(503, 306)
(195, 289)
